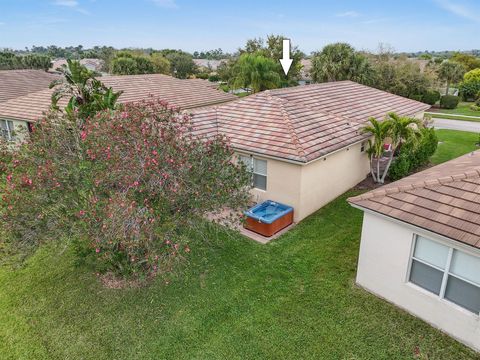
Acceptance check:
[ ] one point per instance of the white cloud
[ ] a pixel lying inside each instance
(169, 4)
(67, 3)
(73, 4)
(349, 14)
(458, 9)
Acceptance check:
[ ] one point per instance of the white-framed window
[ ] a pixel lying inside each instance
(7, 130)
(447, 272)
(258, 169)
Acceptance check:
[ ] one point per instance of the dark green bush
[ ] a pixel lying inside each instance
(214, 78)
(413, 155)
(416, 97)
(430, 97)
(449, 101)
(469, 89)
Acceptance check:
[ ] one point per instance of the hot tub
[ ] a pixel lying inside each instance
(268, 217)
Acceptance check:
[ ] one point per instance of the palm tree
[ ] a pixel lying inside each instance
(399, 129)
(450, 71)
(86, 94)
(256, 72)
(380, 130)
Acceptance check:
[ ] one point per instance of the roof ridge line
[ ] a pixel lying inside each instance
(286, 117)
(471, 174)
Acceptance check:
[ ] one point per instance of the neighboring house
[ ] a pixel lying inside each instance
(17, 113)
(18, 83)
(305, 75)
(208, 65)
(420, 246)
(304, 144)
(90, 64)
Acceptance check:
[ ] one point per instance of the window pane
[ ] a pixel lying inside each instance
(426, 277)
(431, 252)
(260, 167)
(466, 266)
(4, 130)
(463, 294)
(260, 182)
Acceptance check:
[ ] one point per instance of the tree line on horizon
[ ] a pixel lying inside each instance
(255, 66)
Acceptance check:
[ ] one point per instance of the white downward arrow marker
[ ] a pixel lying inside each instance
(286, 61)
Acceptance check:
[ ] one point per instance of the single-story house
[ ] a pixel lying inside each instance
(17, 113)
(420, 246)
(18, 83)
(304, 144)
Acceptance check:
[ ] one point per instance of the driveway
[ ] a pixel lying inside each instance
(461, 125)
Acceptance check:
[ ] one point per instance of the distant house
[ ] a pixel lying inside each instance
(303, 144)
(305, 75)
(90, 64)
(420, 246)
(208, 65)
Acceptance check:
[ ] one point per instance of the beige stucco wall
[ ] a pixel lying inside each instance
(309, 187)
(383, 270)
(327, 178)
(283, 184)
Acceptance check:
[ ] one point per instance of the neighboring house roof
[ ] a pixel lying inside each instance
(90, 64)
(185, 94)
(15, 83)
(204, 82)
(206, 63)
(304, 122)
(306, 68)
(444, 199)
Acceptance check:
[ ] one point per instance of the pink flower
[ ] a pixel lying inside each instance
(83, 135)
(97, 250)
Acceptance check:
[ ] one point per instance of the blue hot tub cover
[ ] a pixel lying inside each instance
(268, 211)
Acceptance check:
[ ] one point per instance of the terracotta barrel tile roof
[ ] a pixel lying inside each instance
(15, 83)
(306, 122)
(444, 199)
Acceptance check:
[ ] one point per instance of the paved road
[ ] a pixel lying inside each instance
(456, 125)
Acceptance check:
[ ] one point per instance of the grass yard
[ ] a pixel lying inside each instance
(294, 298)
(454, 117)
(454, 144)
(463, 108)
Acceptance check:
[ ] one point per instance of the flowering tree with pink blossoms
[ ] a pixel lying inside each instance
(126, 185)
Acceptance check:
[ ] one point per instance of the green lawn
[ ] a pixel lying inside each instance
(453, 144)
(294, 298)
(454, 117)
(463, 108)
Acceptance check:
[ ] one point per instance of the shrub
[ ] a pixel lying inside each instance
(414, 154)
(126, 185)
(214, 78)
(475, 107)
(430, 97)
(469, 89)
(416, 97)
(449, 101)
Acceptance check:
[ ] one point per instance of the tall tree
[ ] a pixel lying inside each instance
(256, 72)
(340, 61)
(272, 48)
(182, 65)
(450, 72)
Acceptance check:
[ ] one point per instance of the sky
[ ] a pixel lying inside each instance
(190, 25)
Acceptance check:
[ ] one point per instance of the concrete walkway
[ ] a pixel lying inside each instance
(461, 125)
